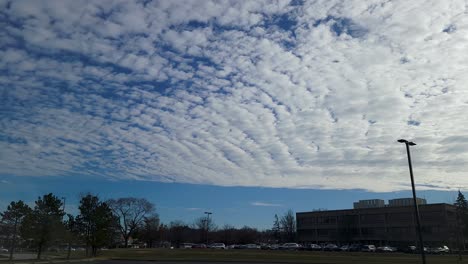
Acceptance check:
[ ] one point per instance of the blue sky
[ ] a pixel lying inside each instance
(236, 206)
(251, 100)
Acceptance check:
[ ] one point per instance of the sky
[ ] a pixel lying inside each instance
(244, 107)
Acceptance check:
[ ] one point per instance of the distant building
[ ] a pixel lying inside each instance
(406, 202)
(369, 203)
(379, 225)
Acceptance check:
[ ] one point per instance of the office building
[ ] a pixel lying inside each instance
(369, 203)
(406, 202)
(394, 225)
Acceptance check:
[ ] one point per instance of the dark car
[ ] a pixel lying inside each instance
(368, 248)
(354, 248)
(331, 247)
(199, 246)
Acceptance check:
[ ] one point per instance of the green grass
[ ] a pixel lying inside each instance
(45, 256)
(273, 256)
(260, 256)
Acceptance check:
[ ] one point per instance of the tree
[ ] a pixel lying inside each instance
(131, 213)
(94, 222)
(288, 225)
(462, 219)
(178, 232)
(44, 223)
(204, 225)
(247, 235)
(71, 232)
(150, 232)
(227, 234)
(12, 219)
(276, 228)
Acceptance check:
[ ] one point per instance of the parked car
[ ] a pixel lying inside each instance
(386, 249)
(252, 246)
(290, 246)
(274, 247)
(269, 246)
(344, 248)
(217, 246)
(354, 247)
(314, 247)
(199, 246)
(368, 248)
(415, 249)
(186, 245)
(331, 247)
(439, 250)
(3, 250)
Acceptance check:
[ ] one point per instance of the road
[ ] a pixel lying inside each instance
(116, 261)
(171, 262)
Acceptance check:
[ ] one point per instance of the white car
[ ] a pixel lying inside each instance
(186, 245)
(290, 246)
(218, 246)
(440, 250)
(385, 249)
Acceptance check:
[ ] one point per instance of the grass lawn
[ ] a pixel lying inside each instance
(261, 256)
(274, 256)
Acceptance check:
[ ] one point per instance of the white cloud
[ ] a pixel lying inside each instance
(219, 93)
(265, 204)
(194, 209)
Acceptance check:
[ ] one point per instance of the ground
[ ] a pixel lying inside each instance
(181, 256)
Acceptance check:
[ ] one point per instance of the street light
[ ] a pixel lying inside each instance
(64, 199)
(207, 225)
(416, 209)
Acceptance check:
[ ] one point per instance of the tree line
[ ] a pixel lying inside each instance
(119, 223)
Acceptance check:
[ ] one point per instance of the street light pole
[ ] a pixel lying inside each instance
(64, 200)
(207, 225)
(416, 209)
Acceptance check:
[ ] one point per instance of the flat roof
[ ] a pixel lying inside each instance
(378, 208)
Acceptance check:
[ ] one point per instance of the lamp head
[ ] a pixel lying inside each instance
(407, 142)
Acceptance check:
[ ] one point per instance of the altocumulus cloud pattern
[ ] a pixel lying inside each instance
(298, 94)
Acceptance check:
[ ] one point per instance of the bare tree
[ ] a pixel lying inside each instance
(178, 232)
(131, 213)
(288, 225)
(227, 233)
(204, 225)
(151, 231)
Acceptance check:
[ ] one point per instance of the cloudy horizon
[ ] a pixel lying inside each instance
(282, 94)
